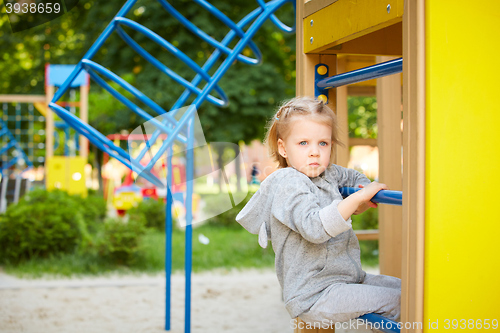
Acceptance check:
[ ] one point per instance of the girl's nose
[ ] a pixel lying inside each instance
(314, 151)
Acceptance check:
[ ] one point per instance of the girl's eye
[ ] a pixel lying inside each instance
(302, 143)
(323, 143)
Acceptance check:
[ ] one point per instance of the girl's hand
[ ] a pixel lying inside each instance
(366, 194)
(360, 201)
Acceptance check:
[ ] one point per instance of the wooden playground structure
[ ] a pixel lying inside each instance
(446, 261)
(63, 172)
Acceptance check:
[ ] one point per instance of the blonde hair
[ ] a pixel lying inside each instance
(280, 125)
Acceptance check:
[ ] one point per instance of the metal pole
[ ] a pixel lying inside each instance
(168, 240)
(189, 221)
(17, 189)
(3, 199)
(372, 72)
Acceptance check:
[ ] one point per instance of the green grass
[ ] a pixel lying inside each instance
(228, 248)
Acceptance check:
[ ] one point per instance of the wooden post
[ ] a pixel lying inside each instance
(305, 67)
(84, 106)
(389, 146)
(343, 154)
(412, 289)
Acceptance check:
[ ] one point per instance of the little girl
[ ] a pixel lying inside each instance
(300, 209)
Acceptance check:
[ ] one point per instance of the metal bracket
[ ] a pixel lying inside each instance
(320, 73)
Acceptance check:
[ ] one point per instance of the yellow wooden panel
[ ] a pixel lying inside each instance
(66, 173)
(462, 163)
(345, 20)
(56, 173)
(76, 176)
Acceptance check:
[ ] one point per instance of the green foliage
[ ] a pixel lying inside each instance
(253, 91)
(93, 209)
(228, 218)
(362, 117)
(366, 220)
(42, 223)
(151, 212)
(119, 240)
(369, 248)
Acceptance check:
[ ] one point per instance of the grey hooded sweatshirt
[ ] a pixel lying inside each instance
(314, 246)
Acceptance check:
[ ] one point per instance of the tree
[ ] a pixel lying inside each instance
(253, 91)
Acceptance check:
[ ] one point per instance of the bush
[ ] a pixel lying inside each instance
(42, 223)
(152, 212)
(228, 218)
(119, 240)
(93, 209)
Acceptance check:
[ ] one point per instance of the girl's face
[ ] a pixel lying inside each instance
(308, 146)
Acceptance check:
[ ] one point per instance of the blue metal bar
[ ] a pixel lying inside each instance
(168, 242)
(272, 7)
(18, 123)
(384, 196)
(92, 66)
(10, 163)
(363, 74)
(93, 50)
(206, 67)
(276, 21)
(102, 142)
(177, 78)
(133, 107)
(189, 225)
(31, 129)
(7, 147)
(200, 33)
(381, 323)
(169, 47)
(213, 58)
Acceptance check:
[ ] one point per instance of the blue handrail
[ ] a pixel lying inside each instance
(384, 196)
(368, 73)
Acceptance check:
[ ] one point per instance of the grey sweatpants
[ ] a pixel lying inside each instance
(342, 302)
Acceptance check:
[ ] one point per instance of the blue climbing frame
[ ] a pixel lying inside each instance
(175, 129)
(11, 142)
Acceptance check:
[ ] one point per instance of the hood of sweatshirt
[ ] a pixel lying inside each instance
(255, 217)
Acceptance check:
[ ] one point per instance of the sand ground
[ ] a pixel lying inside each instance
(222, 301)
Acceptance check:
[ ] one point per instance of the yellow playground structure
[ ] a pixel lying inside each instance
(441, 242)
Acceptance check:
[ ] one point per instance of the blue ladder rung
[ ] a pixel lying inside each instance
(381, 323)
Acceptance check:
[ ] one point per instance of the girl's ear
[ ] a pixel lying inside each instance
(281, 148)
